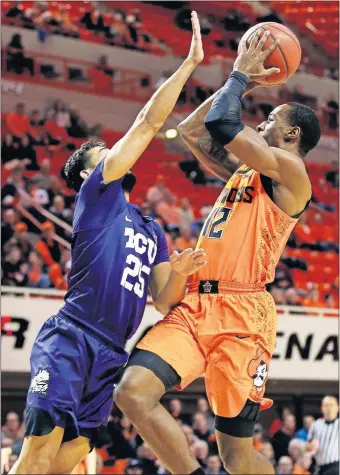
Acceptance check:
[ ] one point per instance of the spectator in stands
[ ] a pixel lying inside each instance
(59, 209)
(35, 119)
(283, 436)
(16, 181)
(200, 450)
(12, 432)
(134, 467)
(15, 11)
(66, 25)
(313, 298)
(62, 114)
(283, 276)
(325, 236)
(9, 151)
(303, 432)
(258, 437)
(186, 213)
(185, 240)
(12, 268)
(158, 193)
(213, 465)
(293, 262)
(202, 407)
(303, 233)
(18, 123)
(234, 21)
(292, 297)
(20, 239)
(103, 66)
(147, 459)
(37, 194)
(303, 464)
(331, 302)
(118, 32)
(200, 426)
(16, 59)
(169, 211)
(267, 451)
(176, 410)
(37, 278)
(285, 466)
(57, 134)
(331, 108)
(146, 210)
(44, 178)
(27, 155)
(9, 219)
(93, 20)
(296, 449)
(133, 21)
(78, 128)
(332, 176)
(278, 295)
(48, 231)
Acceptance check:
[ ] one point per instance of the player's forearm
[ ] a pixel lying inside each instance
(172, 293)
(164, 99)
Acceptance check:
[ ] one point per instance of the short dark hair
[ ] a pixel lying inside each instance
(77, 162)
(306, 119)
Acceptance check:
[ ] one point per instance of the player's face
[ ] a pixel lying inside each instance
(273, 129)
(97, 155)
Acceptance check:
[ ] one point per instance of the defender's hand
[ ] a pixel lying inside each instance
(250, 61)
(196, 53)
(188, 262)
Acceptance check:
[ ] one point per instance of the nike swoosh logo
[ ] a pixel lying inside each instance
(127, 219)
(241, 337)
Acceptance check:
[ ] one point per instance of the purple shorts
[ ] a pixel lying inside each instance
(73, 374)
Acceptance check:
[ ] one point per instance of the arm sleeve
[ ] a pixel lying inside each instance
(223, 121)
(162, 246)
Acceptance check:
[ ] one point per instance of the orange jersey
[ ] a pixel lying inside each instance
(245, 233)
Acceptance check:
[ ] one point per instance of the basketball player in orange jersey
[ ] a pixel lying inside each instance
(226, 325)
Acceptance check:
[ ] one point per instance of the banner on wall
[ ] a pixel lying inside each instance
(307, 348)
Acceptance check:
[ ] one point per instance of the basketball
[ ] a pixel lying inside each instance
(286, 56)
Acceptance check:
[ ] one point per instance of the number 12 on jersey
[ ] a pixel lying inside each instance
(214, 221)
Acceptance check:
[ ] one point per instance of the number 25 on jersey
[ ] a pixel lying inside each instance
(133, 278)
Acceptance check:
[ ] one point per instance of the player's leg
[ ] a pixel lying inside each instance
(235, 400)
(38, 452)
(168, 356)
(54, 394)
(235, 444)
(69, 455)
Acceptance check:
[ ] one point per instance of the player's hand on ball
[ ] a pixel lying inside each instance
(196, 53)
(188, 262)
(250, 60)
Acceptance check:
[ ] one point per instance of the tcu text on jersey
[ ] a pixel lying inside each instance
(132, 278)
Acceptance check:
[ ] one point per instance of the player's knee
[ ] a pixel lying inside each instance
(236, 463)
(38, 461)
(131, 398)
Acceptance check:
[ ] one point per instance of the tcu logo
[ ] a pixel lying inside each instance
(135, 268)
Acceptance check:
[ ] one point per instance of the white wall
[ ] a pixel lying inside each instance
(316, 336)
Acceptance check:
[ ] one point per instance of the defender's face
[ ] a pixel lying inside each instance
(273, 129)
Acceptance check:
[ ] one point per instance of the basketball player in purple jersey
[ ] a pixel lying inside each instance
(116, 255)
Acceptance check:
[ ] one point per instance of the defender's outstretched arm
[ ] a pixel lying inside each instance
(152, 117)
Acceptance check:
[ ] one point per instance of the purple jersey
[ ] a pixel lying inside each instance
(113, 252)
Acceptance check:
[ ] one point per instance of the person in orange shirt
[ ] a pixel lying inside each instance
(313, 298)
(56, 133)
(185, 240)
(225, 327)
(18, 123)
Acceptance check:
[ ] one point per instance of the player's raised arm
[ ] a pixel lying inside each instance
(225, 125)
(152, 117)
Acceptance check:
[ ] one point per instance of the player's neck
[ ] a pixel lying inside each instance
(127, 196)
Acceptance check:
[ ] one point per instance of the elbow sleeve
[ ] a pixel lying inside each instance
(223, 121)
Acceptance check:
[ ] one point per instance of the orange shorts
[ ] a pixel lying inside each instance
(229, 337)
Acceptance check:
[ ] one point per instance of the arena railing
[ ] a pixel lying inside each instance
(55, 71)
(282, 310)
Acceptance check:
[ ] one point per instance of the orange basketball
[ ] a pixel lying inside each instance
(286, 56)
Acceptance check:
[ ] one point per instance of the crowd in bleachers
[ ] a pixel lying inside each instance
(141, 26)
(121, 450)
(36, 251)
